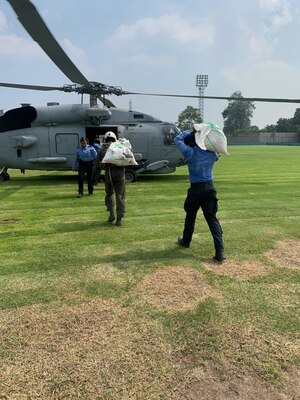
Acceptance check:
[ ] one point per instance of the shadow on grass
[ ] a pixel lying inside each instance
(81, 226)
(173, 254)
(8, 191)
(63, 178)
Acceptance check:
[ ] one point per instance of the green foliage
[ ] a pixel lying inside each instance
(251, 129)
(269, 128)
(286, 124)
(237, 115)
(296, 118)
(187, 117)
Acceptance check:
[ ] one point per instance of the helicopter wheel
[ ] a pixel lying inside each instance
(130, 176)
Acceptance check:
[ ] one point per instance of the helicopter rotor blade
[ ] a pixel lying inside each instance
(260, 99)
(31, 87)
(32, 21)
(66, 88)
(30, 18)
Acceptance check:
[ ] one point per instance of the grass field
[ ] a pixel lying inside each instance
(93, 311)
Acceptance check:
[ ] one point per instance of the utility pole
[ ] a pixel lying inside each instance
(201, 83)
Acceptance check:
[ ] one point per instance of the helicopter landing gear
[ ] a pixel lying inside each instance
(4, 175)
(130, 176)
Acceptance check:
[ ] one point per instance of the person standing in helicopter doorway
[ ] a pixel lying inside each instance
(84, 160)
(201, 193)
(115, 193)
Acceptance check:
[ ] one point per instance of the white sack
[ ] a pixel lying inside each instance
(119, 153)
(210, 137)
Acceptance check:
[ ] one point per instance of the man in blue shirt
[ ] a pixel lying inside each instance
(201, 193)
(84, 160)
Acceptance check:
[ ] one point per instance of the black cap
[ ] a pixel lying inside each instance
(189, 140)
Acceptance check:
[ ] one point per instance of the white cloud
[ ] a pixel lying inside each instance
(278, 13)
(263, 33)
(273, 79)
(172, 27)
(147, 60)
(18, 47)
(261, 47)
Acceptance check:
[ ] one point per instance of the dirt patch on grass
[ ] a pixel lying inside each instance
(286, 254)
(16, 284)
(249, 365)
(238, 269)
(106, 273)
(101, 350)
(174, 289)
(207, 383)
(93, 350)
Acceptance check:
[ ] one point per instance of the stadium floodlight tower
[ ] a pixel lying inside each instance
(201, 83)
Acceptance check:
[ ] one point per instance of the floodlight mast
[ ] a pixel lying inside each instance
(201, 83)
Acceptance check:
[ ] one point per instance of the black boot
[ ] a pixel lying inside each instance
(219, 257)
(119, 222)
(111, 217)
(182, 243)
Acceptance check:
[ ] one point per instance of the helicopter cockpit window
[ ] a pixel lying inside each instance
(138, 116)
(170, 132)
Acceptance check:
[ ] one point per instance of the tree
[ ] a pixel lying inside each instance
(296, 118)
(269, 128)
(238, 115)
(187, 117)
(285, 125)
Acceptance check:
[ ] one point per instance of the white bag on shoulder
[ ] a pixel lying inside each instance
(211, 137)
(119, 153)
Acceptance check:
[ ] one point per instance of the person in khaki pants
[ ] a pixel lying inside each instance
(115, 193)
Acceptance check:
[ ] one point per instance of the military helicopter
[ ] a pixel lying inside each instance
(45, 138)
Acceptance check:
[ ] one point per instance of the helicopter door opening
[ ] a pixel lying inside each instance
(97, 133)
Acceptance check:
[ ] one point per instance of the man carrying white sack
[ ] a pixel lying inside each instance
(202, 192)
(114, 181)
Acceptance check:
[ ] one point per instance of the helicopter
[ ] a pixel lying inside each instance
(45, 138)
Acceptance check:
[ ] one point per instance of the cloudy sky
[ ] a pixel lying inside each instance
(160, 46)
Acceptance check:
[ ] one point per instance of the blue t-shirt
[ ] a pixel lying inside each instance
(87, 153)
(200, 162)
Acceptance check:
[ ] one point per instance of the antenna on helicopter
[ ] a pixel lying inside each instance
(130, 105)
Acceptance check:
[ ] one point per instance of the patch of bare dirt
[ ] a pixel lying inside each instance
(174, 289)
(92, 350)
(106, 273)
(244, 368)
(238, 269)
(207, 383)
(286, 254)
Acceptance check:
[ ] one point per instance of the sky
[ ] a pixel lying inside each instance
(160, 46)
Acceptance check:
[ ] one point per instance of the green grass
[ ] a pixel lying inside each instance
(53, 245)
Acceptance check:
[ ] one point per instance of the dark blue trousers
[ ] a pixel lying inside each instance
(202, 195)
(85, 168)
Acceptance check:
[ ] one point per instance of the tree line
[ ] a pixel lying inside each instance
(237, 119)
